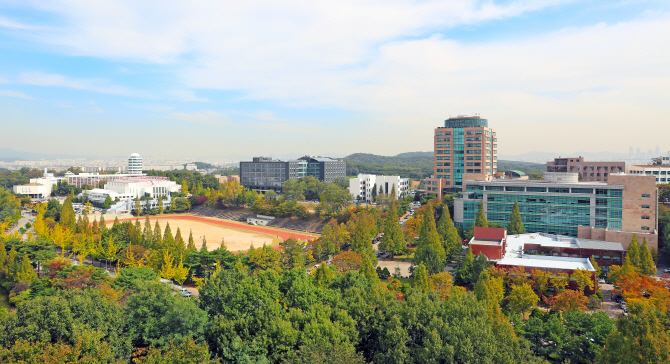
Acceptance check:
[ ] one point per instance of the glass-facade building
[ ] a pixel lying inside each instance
(465, 145)
(553, 208)
(264, 173)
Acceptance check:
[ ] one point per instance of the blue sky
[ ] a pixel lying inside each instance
(210, 79)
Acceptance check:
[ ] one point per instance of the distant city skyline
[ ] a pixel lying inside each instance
(230, 81)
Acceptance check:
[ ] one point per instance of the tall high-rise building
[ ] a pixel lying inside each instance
(134, 164)
(465, 145)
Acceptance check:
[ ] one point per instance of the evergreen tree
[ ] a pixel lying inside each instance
(3, 259)
(364, 229)
(451, 240)
(634, 252)
(94, 227)
(67, 216)
(147, 234)
(647, 266)
(116, 223)
(515, 225)
(184, 187)
(393, 240)
(481, 221)
(26, 272)
(374, 192)
(160, 204)
(203, 247)
(179, 241)
(368, 272)
(421, 279)
(429, 249)
(466, 273)
(79, 226)
(138, 206)
(158, 236)
(102, 226)
(168, 238)
(191, 243)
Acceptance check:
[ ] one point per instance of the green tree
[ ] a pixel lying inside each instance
(160, 206)
(480, 220)
(639, 338)
(429, 249)
(515, 225)
(186, 352)
(333, 200)
(108, 202)
(373, 193)
(137, 209)
(451, 240)
(421, 280)
(26, 271)
(634, 252)
(67, 216)
(191, 242)
(292, 190)
(158, 317)
(522, 298)
(647, 265)
(368, 271)
(132, 278)
(364, 230)
(393, 240)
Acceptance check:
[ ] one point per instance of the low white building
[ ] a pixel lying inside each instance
(33, 190)
(660, 171)
(666, 159)
(361, 186)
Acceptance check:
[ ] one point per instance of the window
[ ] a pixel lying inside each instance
(606, 257)
(645, 206)
(645, 217)
(469, 132)
(438, 133)
(469, 164)
(439, 139)
(596, 257)
(439, 164)
(645, 228)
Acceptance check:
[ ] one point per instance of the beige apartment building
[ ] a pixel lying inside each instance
(464, 145)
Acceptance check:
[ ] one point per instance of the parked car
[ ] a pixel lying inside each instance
(666, 270)
(185, 293)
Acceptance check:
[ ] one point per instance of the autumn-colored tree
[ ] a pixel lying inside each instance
(518, 276)
(180, 272)
(638, 338)
(522, 298)
(167, 267)
(540, 280)
(617, 272)
(347, 260)
(442, 284)
(489, 287)
(559, 281)
(595, 265)
(583, 279)
(67, 216)
(570, 300)
(637, 287)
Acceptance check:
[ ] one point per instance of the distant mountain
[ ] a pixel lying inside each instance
(11, 155)
(419, 165)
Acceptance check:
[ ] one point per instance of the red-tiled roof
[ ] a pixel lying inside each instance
(481, 233)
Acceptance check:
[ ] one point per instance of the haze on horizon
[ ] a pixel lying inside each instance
(330, 78)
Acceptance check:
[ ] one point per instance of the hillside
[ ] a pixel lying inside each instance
(419, 165)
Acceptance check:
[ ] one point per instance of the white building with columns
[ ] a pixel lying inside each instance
(361, 186)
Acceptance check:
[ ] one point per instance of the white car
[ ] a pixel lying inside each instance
(666, 270)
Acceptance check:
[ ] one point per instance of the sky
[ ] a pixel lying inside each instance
(220, 79)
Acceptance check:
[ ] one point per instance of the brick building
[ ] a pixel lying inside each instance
(587, 171)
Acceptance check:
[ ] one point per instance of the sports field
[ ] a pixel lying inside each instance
(237, 236)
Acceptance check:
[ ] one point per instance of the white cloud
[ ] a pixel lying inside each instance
(186, 95)
(207, 117)
(95, 85)
(20, 95)
(3, 80)
(11, 24)
(267, 116)
(393, 64)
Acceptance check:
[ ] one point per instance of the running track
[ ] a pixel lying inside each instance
(282, 234)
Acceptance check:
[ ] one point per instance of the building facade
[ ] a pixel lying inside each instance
(587, 171)
(325, 169)
(361, 187)
(134, 164)
(264, 173)
(660, 171)
(561, 205)
(464, 145)
(665, 159)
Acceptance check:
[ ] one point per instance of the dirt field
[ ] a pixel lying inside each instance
(236, 239)
(237, 236)
(390, 264)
